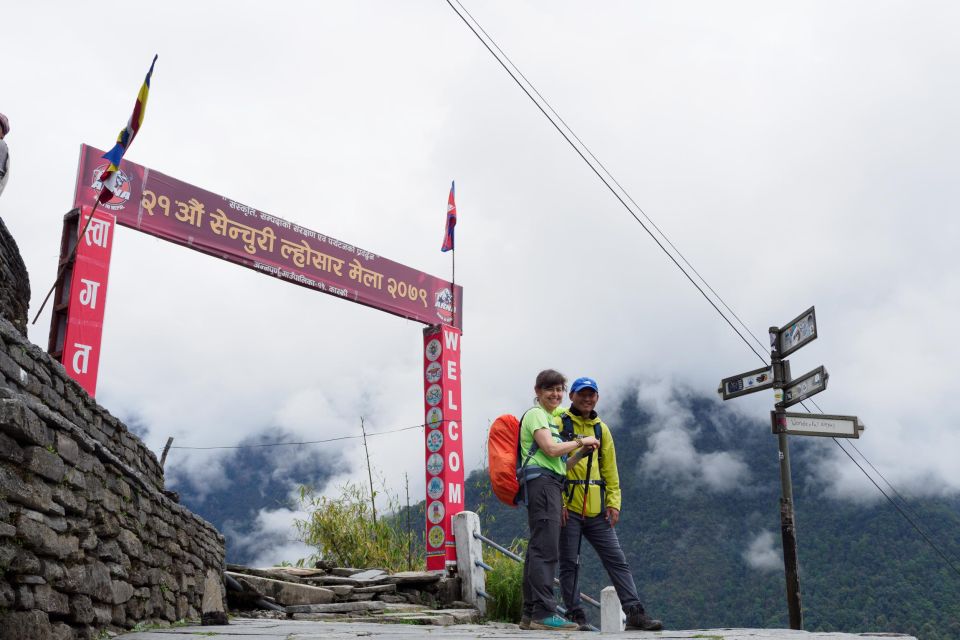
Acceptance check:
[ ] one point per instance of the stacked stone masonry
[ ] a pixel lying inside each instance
(89, 541)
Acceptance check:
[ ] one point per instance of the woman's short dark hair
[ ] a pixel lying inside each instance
(550, 378)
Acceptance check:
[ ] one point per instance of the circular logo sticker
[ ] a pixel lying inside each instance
(434, 464)
(435, 488)
(434, 417)
(435, 512)
(436, 536)
(434, 395)
(433, 372)
(435, 440)
(443, 303)
(433, 350)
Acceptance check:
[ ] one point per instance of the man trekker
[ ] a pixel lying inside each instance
(595, 517)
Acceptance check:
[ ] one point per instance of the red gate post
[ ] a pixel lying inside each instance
(443, 442)
(76, 327)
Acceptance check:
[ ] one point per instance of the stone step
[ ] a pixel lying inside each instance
(338, 607)
(286, 593)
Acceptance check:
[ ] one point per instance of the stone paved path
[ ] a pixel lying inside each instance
(247, 629)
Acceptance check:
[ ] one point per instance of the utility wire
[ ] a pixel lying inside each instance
(604, 180)
(612, 177)
(653, 224)
(286, 444)
(919, 530)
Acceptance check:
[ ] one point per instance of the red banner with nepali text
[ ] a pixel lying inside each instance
(443, 442)
(155, 203)
(87, 296)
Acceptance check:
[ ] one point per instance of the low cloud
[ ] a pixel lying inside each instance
(672, 455)
(762, 553)
(271, 540)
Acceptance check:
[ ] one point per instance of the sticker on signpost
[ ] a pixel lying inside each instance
(435, 512)
(435, 488)
(434, 464)
(434, 395)
(435, 440)
(434, 417)
(436, 536)
(433, 372)
(433, 350)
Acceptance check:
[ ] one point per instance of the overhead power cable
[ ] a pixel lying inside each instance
(287, 444)
(593, 168)
(897, 507)
(567, 132)
(606, 171)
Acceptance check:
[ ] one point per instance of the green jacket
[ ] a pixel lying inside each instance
(584, 426)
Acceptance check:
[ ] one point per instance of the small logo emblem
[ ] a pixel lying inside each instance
(436, 536)
(435, 488)
(434, 464)
(434, 395)
(434, 417)
(435, 512)
(443, 302)
(433, 372)
(435, 440)
(433, 350)
(121, 188)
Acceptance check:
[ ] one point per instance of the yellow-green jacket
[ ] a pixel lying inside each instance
(573, 500)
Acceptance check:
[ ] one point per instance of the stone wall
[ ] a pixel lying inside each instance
(14, 283)
(89, 540)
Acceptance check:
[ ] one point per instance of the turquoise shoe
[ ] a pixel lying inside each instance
(554, 623)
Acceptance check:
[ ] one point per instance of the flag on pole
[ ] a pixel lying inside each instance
(451, 222)
(125, 139)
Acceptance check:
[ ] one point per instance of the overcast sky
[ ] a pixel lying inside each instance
(797, 155)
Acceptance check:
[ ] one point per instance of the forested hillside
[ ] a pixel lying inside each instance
(688, 535)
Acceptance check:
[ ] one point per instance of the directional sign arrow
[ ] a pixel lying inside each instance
(809, 384)
(744, 383)
(815, 424)
(797, 333)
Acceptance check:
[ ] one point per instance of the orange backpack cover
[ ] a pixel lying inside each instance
(503, 446)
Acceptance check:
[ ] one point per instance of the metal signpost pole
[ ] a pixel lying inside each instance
(781, 376)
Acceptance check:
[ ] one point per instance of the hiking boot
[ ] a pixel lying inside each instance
(554, 623)
(638, 620)
(580, 618)
(525, 623)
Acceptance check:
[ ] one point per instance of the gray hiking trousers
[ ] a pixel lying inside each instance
(603, 538)
(544, 500)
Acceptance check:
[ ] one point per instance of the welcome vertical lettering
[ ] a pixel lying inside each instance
(443, 442)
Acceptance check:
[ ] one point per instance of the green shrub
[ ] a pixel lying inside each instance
(505, 584)
(345, 533)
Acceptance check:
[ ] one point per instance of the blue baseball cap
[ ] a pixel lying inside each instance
(584, 383)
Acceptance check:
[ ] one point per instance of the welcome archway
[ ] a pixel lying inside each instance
(159, 205)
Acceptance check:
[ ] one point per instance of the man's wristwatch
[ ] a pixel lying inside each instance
(579, 440)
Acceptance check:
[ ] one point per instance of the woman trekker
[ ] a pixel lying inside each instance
(541, 476)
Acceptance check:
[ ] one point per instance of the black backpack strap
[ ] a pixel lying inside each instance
(521, 466)
(598, 433)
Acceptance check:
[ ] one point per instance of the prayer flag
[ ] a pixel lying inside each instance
(125, 139)
(451, 222)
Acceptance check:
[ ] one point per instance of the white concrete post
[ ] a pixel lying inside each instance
(469, 551)
(611, 615)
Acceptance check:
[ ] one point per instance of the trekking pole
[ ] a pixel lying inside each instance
(583, 517)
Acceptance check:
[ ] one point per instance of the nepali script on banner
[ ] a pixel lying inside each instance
(165, 207)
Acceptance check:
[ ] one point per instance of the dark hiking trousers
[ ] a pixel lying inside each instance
(544, 500)
(603, 538)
